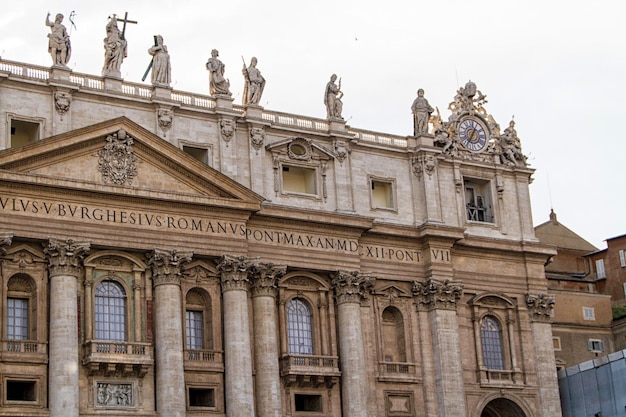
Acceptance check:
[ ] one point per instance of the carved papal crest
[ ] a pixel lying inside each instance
(116, 161)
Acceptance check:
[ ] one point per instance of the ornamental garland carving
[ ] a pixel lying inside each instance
(257, 137)
(167, 265)
(423, 164)
(352, 287)
(62, 101)
(164, 116)
(436, 294)
(117, 161)
(227, 129)
(541, 306)
(65, 256)
(265, 277)
(234, 272)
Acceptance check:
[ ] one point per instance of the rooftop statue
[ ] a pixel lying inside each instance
(58, 41)
(332, 98)
(161, 68)
(468, 99)
(511, 149)
(254, 83)
(217, 83)
(114, 49)
(421, 113)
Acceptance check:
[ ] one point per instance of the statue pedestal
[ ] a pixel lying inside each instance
(163, 92)
(60, 73)
(424, 139)
(112, 83)
(254, 111)
(223, 102)
(337, 125)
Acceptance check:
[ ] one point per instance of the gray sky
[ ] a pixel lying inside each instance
(557, 65)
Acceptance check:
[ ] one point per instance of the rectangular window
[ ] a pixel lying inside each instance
(201, 397)
(589, 313)
(622, 258)
(194, 329)
(23, 132)
(556, 343)
(311, 403)
(478, 204)
(21, 390)
(299, 180)
(600, 268)
(17, 319)
(200, 154)
(595, 345)
(382, 194)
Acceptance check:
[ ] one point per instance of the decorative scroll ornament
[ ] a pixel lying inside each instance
(423, 163)
(257, 137)
(265, 277)
(65, 256)
(352, 287)
(227, 129)
(116, 161)
(541, 306)
(234, 272)
(300, 149)
(62, 101)
(435, 294)
(164, 116)
(167, 265)
(342, 150)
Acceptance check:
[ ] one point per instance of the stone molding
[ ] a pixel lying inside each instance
(434, 294)
(65, 256)
(167, 266)
(234, 272)
(352, 286)
(264, 279)
(541, 307)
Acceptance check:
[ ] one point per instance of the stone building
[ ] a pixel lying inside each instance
(171, 254)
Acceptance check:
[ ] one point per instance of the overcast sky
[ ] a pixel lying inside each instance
(557, 65)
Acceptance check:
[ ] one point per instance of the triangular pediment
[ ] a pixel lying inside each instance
(120, 157)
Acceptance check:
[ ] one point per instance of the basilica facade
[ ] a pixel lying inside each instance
(170, 254)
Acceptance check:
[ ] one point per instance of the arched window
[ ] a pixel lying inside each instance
(491, 339)
(198, 320)
(20, 315)
(110, 311)
(393, 336)
(299, 327)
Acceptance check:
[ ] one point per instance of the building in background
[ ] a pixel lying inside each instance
(172, 254)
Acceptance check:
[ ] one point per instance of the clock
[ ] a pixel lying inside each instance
(473, 135)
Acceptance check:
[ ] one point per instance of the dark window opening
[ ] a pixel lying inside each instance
(200, 154)
(308, 402)
(23, 132)
(201, 397)
(21, 390)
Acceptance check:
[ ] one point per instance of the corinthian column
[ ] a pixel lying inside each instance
(168, 331)
(264, 278)
(237, 353)
(64, 268)
(350, 288)
(436, 304)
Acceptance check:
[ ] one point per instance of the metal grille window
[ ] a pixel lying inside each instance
(110, 311)
(299, 329)
(17, 319)
(193, 329)
(491, 338)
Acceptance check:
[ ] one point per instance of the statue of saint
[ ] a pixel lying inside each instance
(114, 49)
(58, 41)
(161, 68)
(421, 113)
(254, 83)
(217, 83)
(332, 98)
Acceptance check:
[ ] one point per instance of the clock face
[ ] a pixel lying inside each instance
(473, 135)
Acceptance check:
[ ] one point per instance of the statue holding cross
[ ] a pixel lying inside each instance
(115, 47)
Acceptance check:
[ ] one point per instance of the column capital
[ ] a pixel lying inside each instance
(351, 286)
(541, 307)
(434, 294)
(234, 272)
(5, 240)
(265, 277)
(167, 266)
(65, 256)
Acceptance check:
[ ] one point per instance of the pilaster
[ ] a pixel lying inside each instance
(64, 268)
(168, 333)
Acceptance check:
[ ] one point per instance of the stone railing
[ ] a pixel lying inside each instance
(402, 368)
(204, 355)
(104, 351)
(309, 370)
(500, 377)
(143, 91)
(23, 346)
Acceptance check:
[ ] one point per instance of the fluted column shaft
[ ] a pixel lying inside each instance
(64, 259)
(350, 288)
(264, 278)
(237, 354)
(168, 332)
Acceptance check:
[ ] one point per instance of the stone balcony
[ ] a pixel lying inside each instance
(118, 358)
(491, 377)
(309, 370)
(397, 372)
(204, 360)
(29, 351)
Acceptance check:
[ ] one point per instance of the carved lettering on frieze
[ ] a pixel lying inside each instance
(436, 294)
(117, 161)
(541, 306)
(114, 395)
